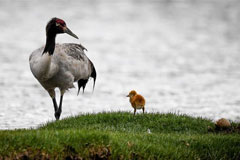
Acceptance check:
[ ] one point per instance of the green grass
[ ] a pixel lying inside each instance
(120, 135)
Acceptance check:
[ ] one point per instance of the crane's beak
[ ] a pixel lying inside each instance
(68, 31)
(127, 96)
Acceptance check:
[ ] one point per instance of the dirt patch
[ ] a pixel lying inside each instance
(100, 152)
(228, 130)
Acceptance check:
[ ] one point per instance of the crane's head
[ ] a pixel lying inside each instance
(132, 93)
(58, 26)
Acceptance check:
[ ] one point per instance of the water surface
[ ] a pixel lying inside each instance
(183, 56)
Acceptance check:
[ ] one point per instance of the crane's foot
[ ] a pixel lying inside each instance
(57, 114)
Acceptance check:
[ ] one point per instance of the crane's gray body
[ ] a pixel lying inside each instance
(66, 65)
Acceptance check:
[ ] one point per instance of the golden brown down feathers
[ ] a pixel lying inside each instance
(137, 101)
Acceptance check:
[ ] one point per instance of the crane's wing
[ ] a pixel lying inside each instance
(76, 51)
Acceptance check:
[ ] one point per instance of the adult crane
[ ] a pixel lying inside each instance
(59, 65)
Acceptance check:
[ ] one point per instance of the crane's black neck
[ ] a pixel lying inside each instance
(50, 44)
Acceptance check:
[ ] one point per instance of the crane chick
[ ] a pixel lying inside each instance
(137, 101)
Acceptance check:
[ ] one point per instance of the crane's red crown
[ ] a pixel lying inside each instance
(60, 21)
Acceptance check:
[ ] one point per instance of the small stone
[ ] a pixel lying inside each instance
(149, 131)
(223, 123)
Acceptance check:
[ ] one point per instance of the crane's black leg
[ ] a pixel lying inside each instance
(134, 111)
(52, 94)
(59, 110)
(55, 104)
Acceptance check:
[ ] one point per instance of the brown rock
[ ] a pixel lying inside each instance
(223, 123)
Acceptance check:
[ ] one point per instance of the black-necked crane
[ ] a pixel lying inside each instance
(59, 65)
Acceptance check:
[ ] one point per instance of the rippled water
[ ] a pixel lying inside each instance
(183, 56)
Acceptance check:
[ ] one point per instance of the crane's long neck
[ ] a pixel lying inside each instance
(50, 44)
(46, 60)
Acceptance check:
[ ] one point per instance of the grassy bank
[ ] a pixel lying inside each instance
(120, 135)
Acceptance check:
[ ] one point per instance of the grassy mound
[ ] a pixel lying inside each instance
(120, 135)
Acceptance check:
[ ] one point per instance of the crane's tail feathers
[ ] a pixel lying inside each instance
(94, 80)
(82, 83)
(93, 75)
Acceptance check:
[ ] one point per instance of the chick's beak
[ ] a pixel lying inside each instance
(127, 96)
(68, 31)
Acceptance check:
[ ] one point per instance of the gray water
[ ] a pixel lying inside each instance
(182, 56)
